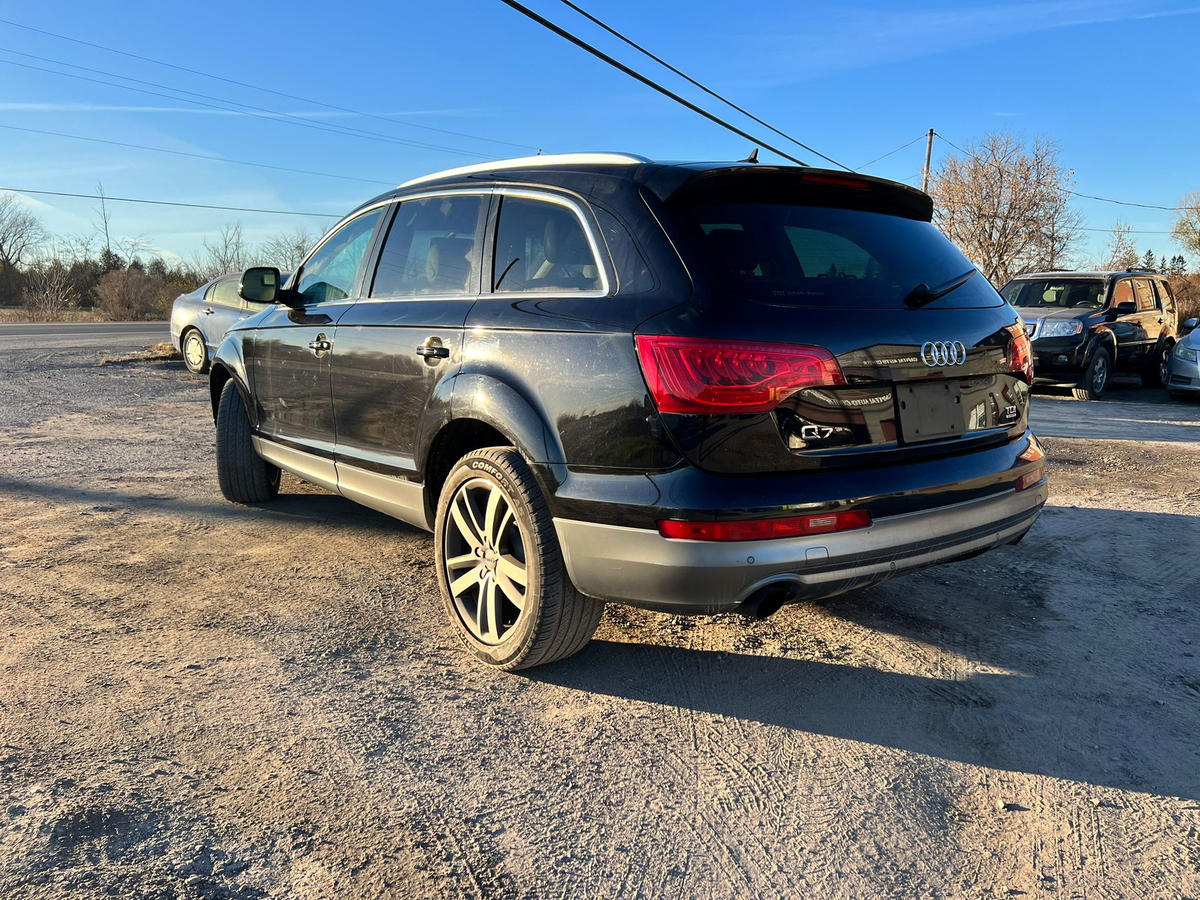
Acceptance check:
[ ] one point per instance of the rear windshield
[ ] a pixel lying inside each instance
(1055, 293)
(825, 256)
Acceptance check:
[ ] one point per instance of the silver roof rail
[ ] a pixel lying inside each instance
(545, 159)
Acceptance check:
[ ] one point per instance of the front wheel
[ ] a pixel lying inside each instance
(1095, 378)
(195, 352)
(244, 476)
(500, 567)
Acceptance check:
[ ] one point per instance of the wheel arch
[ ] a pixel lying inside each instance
(228, 363)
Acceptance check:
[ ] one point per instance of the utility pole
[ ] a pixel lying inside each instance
(928, 159)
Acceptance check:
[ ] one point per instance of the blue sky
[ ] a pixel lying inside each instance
(1113, 82)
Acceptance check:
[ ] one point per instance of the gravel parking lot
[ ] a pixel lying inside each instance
(204, 701)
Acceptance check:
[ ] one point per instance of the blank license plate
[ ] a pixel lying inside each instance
(930, 412)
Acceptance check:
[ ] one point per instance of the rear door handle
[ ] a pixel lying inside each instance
(320, 345)
(431, 352)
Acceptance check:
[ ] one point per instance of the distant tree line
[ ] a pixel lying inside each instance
(118, 279)
(1008, 205)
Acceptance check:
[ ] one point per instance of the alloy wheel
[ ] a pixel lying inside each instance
(485, 560)
(1100, 374)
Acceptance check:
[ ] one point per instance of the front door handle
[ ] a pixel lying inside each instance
(208, 311)
(320, 345)
(430, 352)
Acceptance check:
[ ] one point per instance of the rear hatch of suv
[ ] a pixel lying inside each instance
(831, 326)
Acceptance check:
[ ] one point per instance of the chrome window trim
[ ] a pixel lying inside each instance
(548, 159)
(577, 207)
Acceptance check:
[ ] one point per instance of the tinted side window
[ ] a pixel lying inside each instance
(1145, 295)
(431, 248)
(541, 246)
(225, 292)
(332, 271)
(1122, 292)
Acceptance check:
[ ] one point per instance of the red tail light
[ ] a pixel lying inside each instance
(696, 375)
(835, 179)
(765, 529)
(1034, 454)
(1020, 353)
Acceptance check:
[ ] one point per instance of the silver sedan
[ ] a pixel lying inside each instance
(1183, 374)
(200, 319)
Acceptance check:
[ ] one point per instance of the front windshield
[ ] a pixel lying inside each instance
(1055, 293)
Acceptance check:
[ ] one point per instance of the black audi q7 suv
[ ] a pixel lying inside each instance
(1087, 325)
(694, 387)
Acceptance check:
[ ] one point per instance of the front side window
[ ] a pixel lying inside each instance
(331, 273)
(541, 246)
(1145, 295)
(1122, 292)
(431, 248)
(1055, 293)
(225, 292)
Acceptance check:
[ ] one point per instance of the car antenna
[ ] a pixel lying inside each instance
(752, 158)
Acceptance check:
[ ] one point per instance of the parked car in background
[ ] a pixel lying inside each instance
(200, 319)
(1183, 375)
(1087, 325)
(691, 387)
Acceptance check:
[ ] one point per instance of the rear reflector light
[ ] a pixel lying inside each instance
(1034, 454)
(697, 375)
(765, 529)
(1020, 353)
(1029, 479)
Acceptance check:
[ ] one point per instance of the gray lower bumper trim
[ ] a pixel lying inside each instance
(639, 566)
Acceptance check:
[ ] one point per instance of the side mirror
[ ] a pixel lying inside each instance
(1189, 324)
(261, 284)
(1126, 308)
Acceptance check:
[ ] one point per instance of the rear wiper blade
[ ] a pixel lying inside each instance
(923, 293)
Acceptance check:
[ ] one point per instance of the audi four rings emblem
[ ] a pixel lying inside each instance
(943, 353)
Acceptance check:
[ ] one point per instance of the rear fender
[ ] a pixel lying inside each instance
(498, 404)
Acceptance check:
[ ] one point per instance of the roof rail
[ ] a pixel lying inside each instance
(545, 159)
(1141, 269)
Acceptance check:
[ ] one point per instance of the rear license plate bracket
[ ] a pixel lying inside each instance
(930, 412)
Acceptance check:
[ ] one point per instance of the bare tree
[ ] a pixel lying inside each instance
(21, 232)
(103, 218)
(227, 252)
(286, 249)
(47, 290)
(1006, 205)
(128, 295)
(1186, 229)
(1121, 252)
(131, 247)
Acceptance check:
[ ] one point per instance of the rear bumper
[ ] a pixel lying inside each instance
(640, 567)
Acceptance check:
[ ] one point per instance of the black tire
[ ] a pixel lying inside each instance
(244, 476)
(1095, 378)
(1156, 375)
(195, 351)
(482, 548)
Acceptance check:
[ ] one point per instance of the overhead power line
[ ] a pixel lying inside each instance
(889, 153)
(107, 198)
(662, 62)
(601, 55)
(226, 105)
(240, 162)
(265, 90)
(978, 158)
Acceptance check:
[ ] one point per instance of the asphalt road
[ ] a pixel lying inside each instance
(100, 335)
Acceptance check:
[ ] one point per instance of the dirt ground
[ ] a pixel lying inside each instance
(204, 701)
